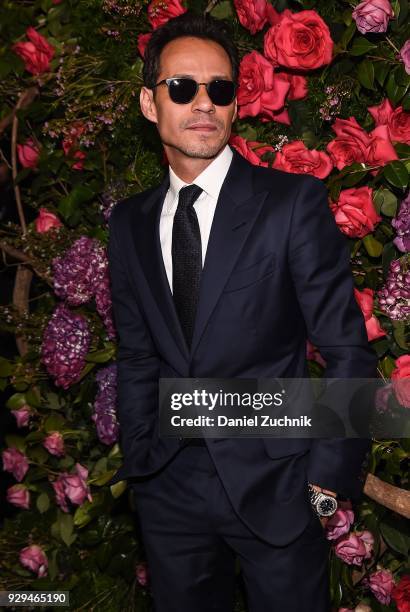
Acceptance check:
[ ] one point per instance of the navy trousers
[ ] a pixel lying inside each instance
(193, 536)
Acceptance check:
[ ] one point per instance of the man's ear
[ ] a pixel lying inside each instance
(147, 104)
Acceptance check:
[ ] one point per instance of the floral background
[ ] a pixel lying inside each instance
(323, 90)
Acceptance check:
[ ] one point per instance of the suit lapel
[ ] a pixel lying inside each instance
(236, 211)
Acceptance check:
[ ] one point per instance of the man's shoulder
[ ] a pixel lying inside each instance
(287, 182)
(123, 209)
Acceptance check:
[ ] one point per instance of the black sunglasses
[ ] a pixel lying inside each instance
(184, 90)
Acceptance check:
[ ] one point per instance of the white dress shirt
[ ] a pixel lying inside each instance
(210, 180)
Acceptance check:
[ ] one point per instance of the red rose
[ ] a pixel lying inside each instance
(298, 86)
(365, 299)
(354, 212)
(245, 148)
(401, 380)
(401, 594)
(142, 41)
(350, 145)
(36, 54)
(261, 91)
(299, 40)
(381, 150)
(295, 157)
(397, 120)
(28, 154)
(161, 11)
(252, 14)
(45, 221)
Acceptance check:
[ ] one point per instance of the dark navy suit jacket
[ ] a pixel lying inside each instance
(276, 272)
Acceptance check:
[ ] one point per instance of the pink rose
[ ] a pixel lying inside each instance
(54, 443)
(365, 300)
(300, 41)
(72, 487)
(339, 523)
(401, 380)
(22, 415)
(142, 41)
(19, 496)
(252, 14)
(141, 573)
(405, 55)
(28, 154)
(261, 91)
(160, 11)
(353, 548)
(244, 147)
(397, 120)
(295, 157)
(381, 584)
(46, 220)
(350, 145)
(58, 486)
(34, 559)
(372, 15)
(36, 54)
(16, 462)
(354, 212)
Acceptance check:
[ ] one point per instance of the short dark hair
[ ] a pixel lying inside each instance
(187, 24)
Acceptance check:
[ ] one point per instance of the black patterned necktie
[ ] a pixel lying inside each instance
(186, 259)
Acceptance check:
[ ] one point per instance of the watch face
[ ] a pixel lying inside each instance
(327, 506)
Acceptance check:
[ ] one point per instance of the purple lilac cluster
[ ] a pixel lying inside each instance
(81, 274)
(105, 416)
(394, 297)
(401, 224)
(66, 342)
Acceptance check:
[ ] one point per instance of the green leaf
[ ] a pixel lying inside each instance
(400, 335)
(347, 35)
(389, 253)
(365, 74)
(361, 46)
(395, 90)
(16, 401)
(101, 356)
(66, 526)
(14, 441)
(381, 70)
(386, 202)
(118, 488)
(6, 368)
(55, 422)
(223, 10)
(43, 503)
(79, 195)
(395, 538)
(372, 246)
(396, 173)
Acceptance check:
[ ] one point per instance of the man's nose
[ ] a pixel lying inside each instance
(202, 99)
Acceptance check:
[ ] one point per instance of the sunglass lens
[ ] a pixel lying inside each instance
(182, 91)
(221, 92)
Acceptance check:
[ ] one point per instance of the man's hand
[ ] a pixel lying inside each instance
(323, 519)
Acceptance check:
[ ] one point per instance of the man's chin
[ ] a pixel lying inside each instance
(201, 150)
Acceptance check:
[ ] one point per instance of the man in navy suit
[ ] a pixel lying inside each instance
(224, 270)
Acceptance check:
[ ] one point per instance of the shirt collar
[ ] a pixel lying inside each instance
(210, 180)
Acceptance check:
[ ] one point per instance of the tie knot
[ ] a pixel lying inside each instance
(188, 195)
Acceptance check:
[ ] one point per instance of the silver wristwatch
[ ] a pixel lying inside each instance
(323, 504)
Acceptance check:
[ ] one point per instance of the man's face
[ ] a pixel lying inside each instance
(199, 129)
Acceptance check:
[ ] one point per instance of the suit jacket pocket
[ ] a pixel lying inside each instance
(251, 274)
